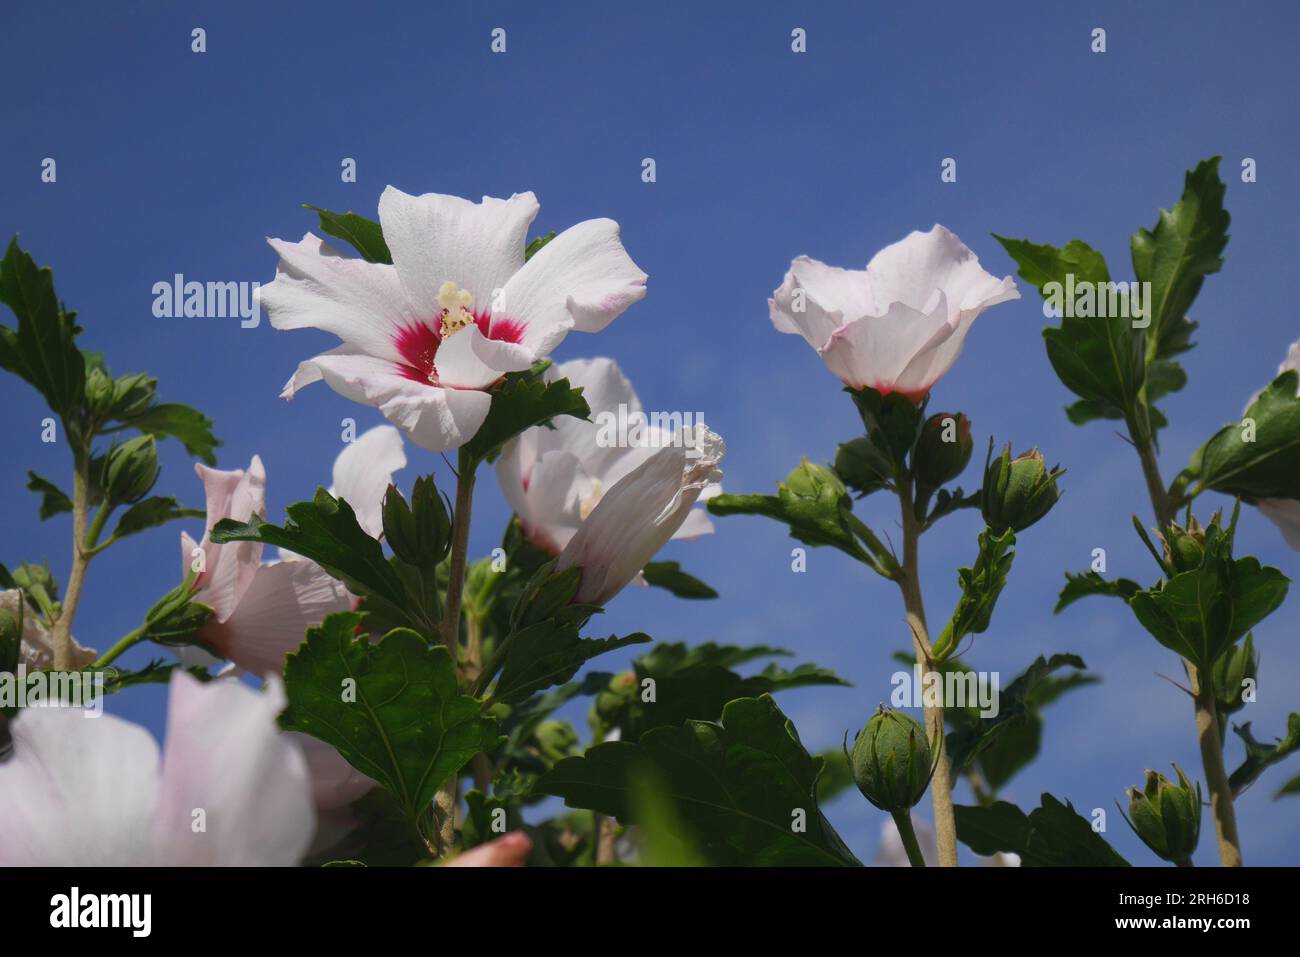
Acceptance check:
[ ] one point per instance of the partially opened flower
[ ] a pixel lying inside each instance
(424, 338)
(898, 325)
(230, 789)
(554, 477)
(261, 612)
(639, 514)
(1285, 512)
(35, 650)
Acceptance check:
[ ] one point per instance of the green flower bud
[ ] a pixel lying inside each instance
(1018, 492)
(814, 482)
(891, 761)
(555, 739)
(1185, 547)
(1167, 816)
(99, 392)
(132, 394)
(862, 467)
(130, 470)
(1238, 665)
(943, 450)
(419, 534)
(610, 702)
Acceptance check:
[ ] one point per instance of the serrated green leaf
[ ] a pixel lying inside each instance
(54, 500)
(1184, 247)
(1258, 456)
(738, 786)
(43, 349)
(190, 427)
(981, 584)
(151, 513)
(1260, 757)
(407, 725)
(524, 400)
(363, 235)
(548, 653)
(669, 576)
(1090, 583)
(1052, 835)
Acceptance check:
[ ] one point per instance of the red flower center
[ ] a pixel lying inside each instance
(418, 344)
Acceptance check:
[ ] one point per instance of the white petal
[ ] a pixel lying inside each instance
(912, 270)
(224, 756)
(363, 472)
(362, 303)
(79, 791)
(334, 782)
(458, 364)
(308, 372)
(436, 239)
(876, 350)
(272, 618)
(35, 648)
(436, 419)
(816, 299)
(583, 278)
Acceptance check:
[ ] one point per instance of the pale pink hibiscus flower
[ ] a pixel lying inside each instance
(898, 325)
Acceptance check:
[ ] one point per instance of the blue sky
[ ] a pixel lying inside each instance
(171, 161)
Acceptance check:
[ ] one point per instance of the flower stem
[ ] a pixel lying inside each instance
(447, 798)
(903, 821)
(945, 823)
(1207, 722)
(123, 643)
(61, 632)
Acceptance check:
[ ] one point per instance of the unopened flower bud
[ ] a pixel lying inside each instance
(943, 450)
(1167, 816)
(1185, 547)
(418, 534)
(1018, 491)
(891, 761)
(1236, 670)
(131, 469)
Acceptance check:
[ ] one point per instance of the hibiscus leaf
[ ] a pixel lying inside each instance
(43, 348)
(1260, 757)
(1099, 359)
(364, 235)
(671, 656)
(391, 709)
(549, 653)
(981, 584)
(53, 499)
(669, 576)
(1260, 456)
(172, 419)
(1052, 835)
(737, 786)
(524, 400)
(1090, 583)
(1184, 247)
(151, 513)
(701, 690)
(325, 530)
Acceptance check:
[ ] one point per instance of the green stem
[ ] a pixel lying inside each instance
(1207, 721)
(945, 822)
(903, 821)
(61, 632)
(123, 643)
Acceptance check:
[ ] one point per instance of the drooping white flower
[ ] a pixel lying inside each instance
(228, 790)
(641, 512)
(261, 612)
(554, 477)
(424, 338)
(35, 650)
(1284, 512)
(898, 325)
